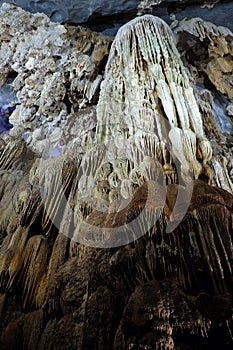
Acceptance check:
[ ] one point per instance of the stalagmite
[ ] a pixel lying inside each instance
(146, 82)
(119, 184)
(146, 109)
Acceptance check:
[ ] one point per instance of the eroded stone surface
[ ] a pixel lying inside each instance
(58, 71)
(145, 294)
(197, 42)
(215, 43)
(80, 11)
(56, 293)
(149, 87)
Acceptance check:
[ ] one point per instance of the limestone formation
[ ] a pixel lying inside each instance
(56, 293)
(150, 97)
(230, 109)
(204, 45)
(214, 45)
(57, 71)
(80, 11)
(149, 127)
(124, 166)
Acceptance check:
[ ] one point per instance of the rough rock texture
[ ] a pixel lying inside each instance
(51, 119)
(206, 50)
(7, 106)
(215, 43)
(148, 125)
(164, 290)
(80, 11)
(151, 85)
(57, 70)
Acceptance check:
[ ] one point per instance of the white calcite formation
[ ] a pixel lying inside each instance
(146, 99)
(207, 51)
(163, 291)
(56, 69)
(202, 29)
(146, 110)
(217, 64)
(149, 127)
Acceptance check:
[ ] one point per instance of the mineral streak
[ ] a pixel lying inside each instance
(161, 291)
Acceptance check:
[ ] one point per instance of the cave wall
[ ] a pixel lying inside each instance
(162, 291)
(80, 11)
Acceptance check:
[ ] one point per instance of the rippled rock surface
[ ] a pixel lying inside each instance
(87, 260)
(206, 51)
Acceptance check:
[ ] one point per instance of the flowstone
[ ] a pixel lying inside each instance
(161, 291)
(146, 99)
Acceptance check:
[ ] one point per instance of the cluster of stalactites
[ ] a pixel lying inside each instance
(146, 88)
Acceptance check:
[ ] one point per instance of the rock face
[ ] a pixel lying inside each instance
(150, 80)
(7, 101)
(76, 11)
(57, 70)
(165, 289)
(170, 290)
(50, 119)
(206, 51)
(103, 12)
(215, 43)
